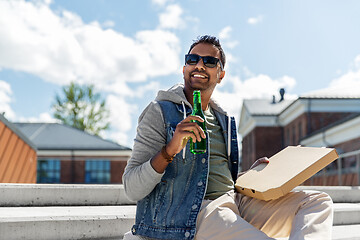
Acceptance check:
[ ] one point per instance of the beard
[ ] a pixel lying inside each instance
(197, 83)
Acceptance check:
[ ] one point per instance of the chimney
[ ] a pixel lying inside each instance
(273, 99)
(282, 93)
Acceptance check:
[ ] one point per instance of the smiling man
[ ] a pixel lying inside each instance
(181, 195)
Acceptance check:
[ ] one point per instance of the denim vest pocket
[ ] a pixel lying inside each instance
(159, 199)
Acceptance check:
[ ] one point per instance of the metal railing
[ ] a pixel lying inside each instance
(357, 167)
(325, 173)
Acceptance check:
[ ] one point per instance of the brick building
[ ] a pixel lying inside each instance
(269, 126)
(69, 155)
(344, 135)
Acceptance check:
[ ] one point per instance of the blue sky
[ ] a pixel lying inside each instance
(131, 49)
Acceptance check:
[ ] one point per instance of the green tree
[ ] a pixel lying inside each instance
(82, 108)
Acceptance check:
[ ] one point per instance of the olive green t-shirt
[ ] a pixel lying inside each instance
(220, 180)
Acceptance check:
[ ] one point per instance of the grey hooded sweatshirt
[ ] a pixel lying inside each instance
(139, 177)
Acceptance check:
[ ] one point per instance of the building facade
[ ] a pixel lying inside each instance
(267, 127)
(18, 159)
(69, 155)
(343, 135)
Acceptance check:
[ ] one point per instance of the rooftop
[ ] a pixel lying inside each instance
(55, 136)
(265, 106)
(333, 93)
(19, 133)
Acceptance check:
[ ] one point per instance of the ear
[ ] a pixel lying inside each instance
(183, 70)
(221, 76)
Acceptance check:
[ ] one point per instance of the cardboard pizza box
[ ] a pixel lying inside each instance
(285, 170)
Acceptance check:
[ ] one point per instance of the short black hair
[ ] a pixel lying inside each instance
(213, 41)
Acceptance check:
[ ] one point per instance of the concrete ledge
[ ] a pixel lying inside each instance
(346, 213)
(346, 232)
(339, 194)
(13, 195)
(109, 222)
(61, 211)
(105, 195)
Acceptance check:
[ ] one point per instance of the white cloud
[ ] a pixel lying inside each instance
(47, 2)
(5, 107)
(338, 72)
(255, 20)
(228, 43)
(225, 32)
(357, 62)
(247, 73)
(159, 45)
(108, 24)
(192, 24)
(150, 87)
(59, 47)
(258, 86)
(5, 100)
(159, 2)
(231, 44)
(226, 38)
(120, 118)
(43, 117)
(347, 85)
(172, 17)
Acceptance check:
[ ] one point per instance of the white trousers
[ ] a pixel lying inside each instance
(297, 215)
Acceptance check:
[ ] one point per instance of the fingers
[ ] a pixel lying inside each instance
(190, 128)
(263, 160)
(260, 161)
(192, 131)
(184, 130)
(184, 142)
(194, 118)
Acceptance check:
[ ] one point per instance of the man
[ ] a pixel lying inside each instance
(185, 196)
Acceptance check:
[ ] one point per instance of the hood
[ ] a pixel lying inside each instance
(176, 95)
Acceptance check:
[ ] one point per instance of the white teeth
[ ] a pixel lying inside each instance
(197, 75)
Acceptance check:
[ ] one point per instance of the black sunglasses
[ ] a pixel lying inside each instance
(208, 61)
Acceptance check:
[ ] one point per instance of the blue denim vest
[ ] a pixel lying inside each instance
(171, 209)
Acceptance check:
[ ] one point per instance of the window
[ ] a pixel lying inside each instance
(48, 171)
(97, 171)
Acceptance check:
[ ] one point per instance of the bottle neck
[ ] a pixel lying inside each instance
(197, 101)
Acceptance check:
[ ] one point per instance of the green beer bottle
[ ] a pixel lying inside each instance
(198, 147)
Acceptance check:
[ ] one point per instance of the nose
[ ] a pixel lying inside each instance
(200, 64)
